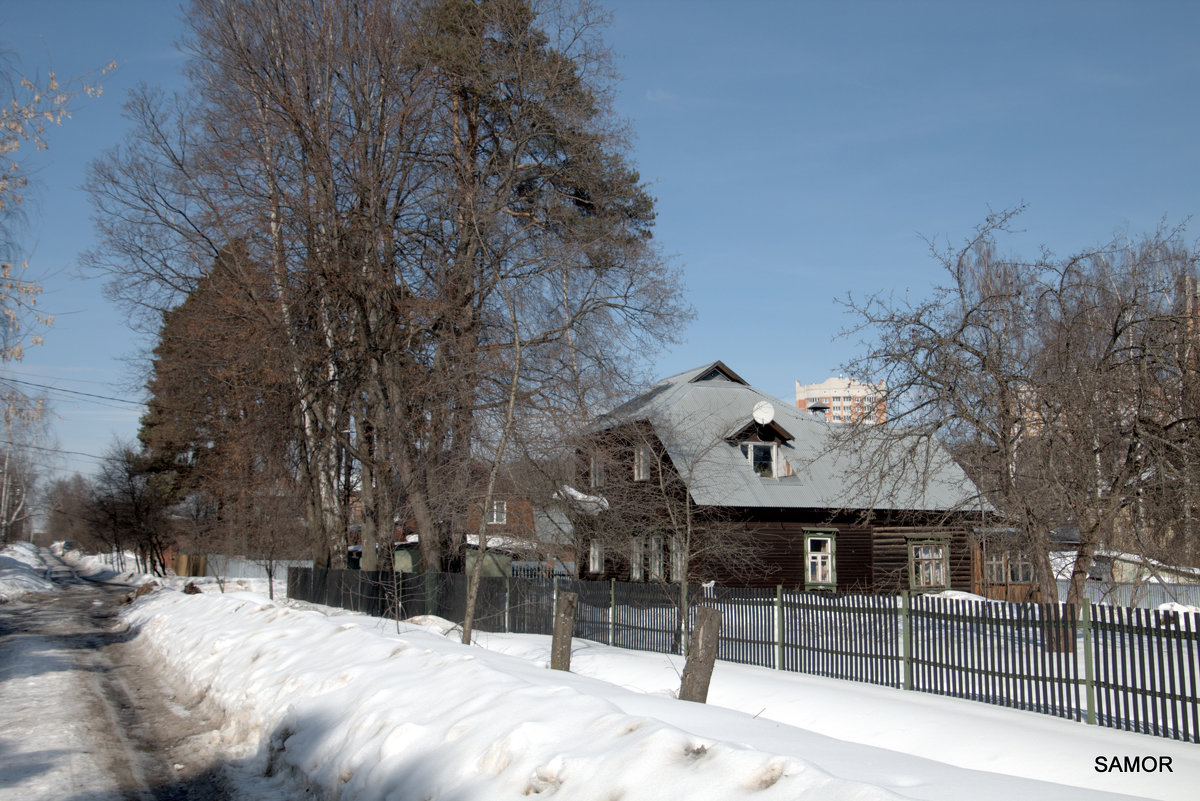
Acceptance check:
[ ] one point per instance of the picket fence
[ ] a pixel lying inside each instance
(1124, 668)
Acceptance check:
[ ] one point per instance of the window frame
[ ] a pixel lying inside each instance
(748, 448)
(643, 457)
(497, 514)
(939, 564)
(637, 558)
(1008, 567)
(596, 469)
(828, 535)
(657, 567)
(595, 556)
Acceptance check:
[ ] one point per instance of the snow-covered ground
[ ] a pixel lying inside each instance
(22, 571)
(371, 709)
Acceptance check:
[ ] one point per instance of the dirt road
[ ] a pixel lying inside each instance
(85, 717)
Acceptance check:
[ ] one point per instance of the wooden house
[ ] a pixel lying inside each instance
(758, 471)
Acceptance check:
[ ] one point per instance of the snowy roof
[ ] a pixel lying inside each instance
(693, 413)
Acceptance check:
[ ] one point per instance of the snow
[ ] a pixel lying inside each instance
(22, 571)
(368, 709)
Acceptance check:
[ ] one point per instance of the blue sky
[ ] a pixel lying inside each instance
(799, 151)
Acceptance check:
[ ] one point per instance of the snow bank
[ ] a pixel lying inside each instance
(22, 571)
(369, 717)
(370, 709)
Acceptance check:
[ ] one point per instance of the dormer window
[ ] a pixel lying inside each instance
(761, 456)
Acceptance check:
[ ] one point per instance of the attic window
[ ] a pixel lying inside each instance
(761, 456)
(715, 374)
(719, 372)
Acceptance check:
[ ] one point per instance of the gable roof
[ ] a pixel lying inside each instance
(699, 414)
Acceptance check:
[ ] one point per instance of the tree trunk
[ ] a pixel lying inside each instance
(702, 654)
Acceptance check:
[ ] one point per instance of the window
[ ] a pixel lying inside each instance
(637, 559)
(642, 459)
(993, 568)
(498, 513)
(656, 558)
(927, 565)
(761, 456)
(596, 557)
(676, 559)
(821, 567)
(1008, 567)
(596, 470)
(1020, 568)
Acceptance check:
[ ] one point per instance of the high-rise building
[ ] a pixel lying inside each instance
(844, 400)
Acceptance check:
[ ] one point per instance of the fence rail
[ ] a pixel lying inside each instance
(1132, 669)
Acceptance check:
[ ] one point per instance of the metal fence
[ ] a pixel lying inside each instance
(233, 567)
(1144, 595)
(1131, 669)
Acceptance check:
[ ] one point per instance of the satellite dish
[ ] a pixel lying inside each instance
(764, 412)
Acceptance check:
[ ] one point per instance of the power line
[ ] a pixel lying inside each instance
(56, 450)
(72, 391)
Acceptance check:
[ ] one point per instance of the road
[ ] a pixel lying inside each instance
(84, 715)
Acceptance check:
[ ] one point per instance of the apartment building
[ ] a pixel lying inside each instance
(844, 400)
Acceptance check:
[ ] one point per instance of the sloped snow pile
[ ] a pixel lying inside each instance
(102, 567)
(22, 571)
(416, 716)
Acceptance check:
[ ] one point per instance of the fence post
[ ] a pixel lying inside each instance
(906, 638)
(612, 611)
(779, 627)
(1089, 677)
(507, 602)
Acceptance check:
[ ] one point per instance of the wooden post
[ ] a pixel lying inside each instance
(702, 653)
(564, 626)
(612, 612)
(779, 627)
(906, 639)
(1089, 670)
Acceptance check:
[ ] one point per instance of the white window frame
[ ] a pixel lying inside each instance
(498, 513)
(1020, 567)
(995, 570)
(642, 459)
(637, 559)
(675, 553)
(596, 470)
(825, 560)
(595, 557)
(928, 565)
(657, 566)
(748, 450)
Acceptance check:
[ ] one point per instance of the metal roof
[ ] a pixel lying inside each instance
(693, 418)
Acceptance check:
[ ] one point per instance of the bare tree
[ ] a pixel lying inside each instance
(64, 503)
(1046, 379)
(641, 515)
(127, 508)
(440, 197)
